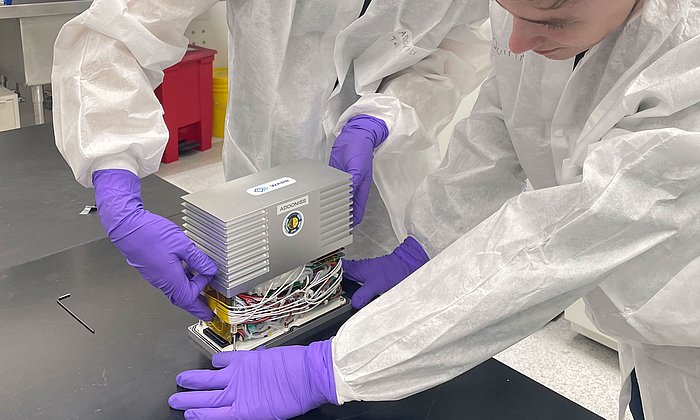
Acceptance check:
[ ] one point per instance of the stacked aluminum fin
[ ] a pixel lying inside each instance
(262, 225)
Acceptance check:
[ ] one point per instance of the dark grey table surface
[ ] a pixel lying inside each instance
(40, 199)
(53, 368)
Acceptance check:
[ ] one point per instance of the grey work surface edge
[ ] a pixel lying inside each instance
(41, 199)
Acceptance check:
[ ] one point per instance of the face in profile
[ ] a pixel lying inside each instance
(560, 29)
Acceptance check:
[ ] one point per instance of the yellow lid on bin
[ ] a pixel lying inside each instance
(220, 79)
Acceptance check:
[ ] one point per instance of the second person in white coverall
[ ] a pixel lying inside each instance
(597, 104)
(302, 74)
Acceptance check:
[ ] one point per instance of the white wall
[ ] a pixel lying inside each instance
(210, 30)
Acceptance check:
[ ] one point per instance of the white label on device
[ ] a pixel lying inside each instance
(271, 186)
(294, 204)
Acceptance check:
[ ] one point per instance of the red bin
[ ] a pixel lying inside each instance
(186, 96)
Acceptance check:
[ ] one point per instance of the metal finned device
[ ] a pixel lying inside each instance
(277, 238)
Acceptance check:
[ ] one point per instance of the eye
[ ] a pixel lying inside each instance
(554, 26)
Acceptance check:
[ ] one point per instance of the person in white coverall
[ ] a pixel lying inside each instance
(597, 104)
(308, 80)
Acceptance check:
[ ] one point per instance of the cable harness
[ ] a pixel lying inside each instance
(276, 303)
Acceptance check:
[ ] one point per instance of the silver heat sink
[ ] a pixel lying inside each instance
(263, 225)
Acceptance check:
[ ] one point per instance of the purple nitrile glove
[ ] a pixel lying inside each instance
(353, 152)
(151, 244)
(276, 383)
(378, 275)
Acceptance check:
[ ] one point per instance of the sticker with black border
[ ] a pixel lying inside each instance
(293, 223)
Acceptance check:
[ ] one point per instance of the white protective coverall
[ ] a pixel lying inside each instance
(413, 61)
(613, 152)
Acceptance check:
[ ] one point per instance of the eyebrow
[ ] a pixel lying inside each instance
(552, 21)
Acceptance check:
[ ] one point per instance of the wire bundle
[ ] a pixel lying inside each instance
(255, 315)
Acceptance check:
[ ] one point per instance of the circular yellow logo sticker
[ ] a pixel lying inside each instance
(293, 223)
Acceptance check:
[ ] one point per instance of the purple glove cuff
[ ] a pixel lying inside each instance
(319, 370)
(121, 179)
(412, 253)
(113, 208)
(375, 128)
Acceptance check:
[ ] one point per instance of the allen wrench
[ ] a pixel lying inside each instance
(67, 295)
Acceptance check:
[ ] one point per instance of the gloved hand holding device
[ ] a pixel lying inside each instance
(378, 275)
(353, 152)
(153, 245)
(277, 383)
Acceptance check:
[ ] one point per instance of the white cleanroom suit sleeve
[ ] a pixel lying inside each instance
(529, 260)
(107, 61)
(478, 175)
(416, 103)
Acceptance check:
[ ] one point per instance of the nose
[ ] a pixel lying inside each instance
(525, 36)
